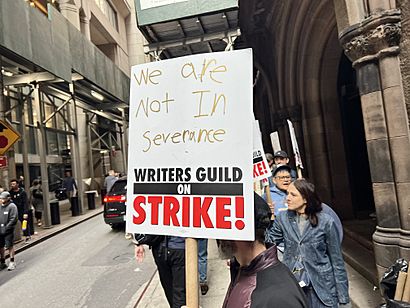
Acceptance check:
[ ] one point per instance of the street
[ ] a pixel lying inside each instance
(89, 265)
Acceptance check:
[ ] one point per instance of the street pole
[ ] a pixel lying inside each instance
(24, 139)
(191, 273)
(75, 153)
(124, 139)
(41, 148)
(3, 172)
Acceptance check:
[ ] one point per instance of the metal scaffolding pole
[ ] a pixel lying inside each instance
(24, 139)
(124, 138)
(89, 148)
(41, 147)
(75, 151)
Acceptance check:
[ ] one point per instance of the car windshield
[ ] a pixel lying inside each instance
(119, 188)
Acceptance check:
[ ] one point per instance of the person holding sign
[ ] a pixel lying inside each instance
(281, 179)
(312, 247)
(282, 158)
(258, 278)
(169, 256)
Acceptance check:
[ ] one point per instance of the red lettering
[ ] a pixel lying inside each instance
(171, 208)
(222, 213)
(185, 211)
(201, 211)
(239, 213)
(155, 201)
(255, 171)
(137, 220)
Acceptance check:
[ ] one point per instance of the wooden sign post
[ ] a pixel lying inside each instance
(191, 273)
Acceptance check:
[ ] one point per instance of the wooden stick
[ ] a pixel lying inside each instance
(269, 197)
(406, 292)
(191, 273)
(299, 172)
(401, 280)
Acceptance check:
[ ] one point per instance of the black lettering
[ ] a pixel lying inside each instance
(151, 175)
(187, 174)
(236, 174)
(200, 174)
(140, 174)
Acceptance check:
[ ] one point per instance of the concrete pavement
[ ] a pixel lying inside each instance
(363, 294)
(152, 294)
(66, 221)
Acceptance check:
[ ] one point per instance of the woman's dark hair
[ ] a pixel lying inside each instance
(313, 202)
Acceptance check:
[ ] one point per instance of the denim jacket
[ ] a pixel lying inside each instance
(319, 248)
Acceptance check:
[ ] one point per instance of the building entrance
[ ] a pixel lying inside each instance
(354, 139)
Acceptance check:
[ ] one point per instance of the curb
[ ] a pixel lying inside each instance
(145, 289)
(58, 231)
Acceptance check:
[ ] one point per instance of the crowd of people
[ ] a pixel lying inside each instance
(16, 206)
(295, 260)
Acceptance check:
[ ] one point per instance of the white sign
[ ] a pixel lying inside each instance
(261, 169)
(274, 138)
(147, 4)
(296, 152)
(190, 147)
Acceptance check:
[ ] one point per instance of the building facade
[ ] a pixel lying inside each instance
(65, 88)
(340, 71)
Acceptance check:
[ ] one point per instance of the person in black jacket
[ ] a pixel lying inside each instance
(258, 278)
(169, 256)
(19, 197)
(8, 219)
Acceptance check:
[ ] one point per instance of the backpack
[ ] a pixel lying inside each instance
(148, 239)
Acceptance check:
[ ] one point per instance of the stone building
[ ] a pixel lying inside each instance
(340, 71)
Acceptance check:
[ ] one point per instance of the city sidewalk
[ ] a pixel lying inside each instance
(362, 293)
(66, 221)
(152, 295)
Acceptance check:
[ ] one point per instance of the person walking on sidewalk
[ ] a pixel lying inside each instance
(8, 220)
(36, 200)
(19, 198)
(169, 256)
(110, 180)
(312, 247)
(70, 187)
(203, 264)
(258, 278)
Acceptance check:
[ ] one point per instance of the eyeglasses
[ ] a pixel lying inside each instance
(285, 177)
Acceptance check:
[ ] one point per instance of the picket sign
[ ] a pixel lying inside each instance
(190, 151)
(189, 172)
(296, 152)
(261, 168)
(274, 139)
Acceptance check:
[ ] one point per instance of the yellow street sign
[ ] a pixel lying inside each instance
(8, 136)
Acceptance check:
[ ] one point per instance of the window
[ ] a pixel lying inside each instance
(109, 11)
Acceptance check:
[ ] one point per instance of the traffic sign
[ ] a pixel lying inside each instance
(3, 162)
(8, 136)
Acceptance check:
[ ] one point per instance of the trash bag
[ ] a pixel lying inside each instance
(61, 193)
(388, 284)
(391, 303)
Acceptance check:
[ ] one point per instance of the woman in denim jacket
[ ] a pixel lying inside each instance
(312, 247)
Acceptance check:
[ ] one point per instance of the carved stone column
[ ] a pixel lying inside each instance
(70, 11)
(373, 47)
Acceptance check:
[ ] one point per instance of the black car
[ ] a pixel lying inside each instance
(114, 203)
